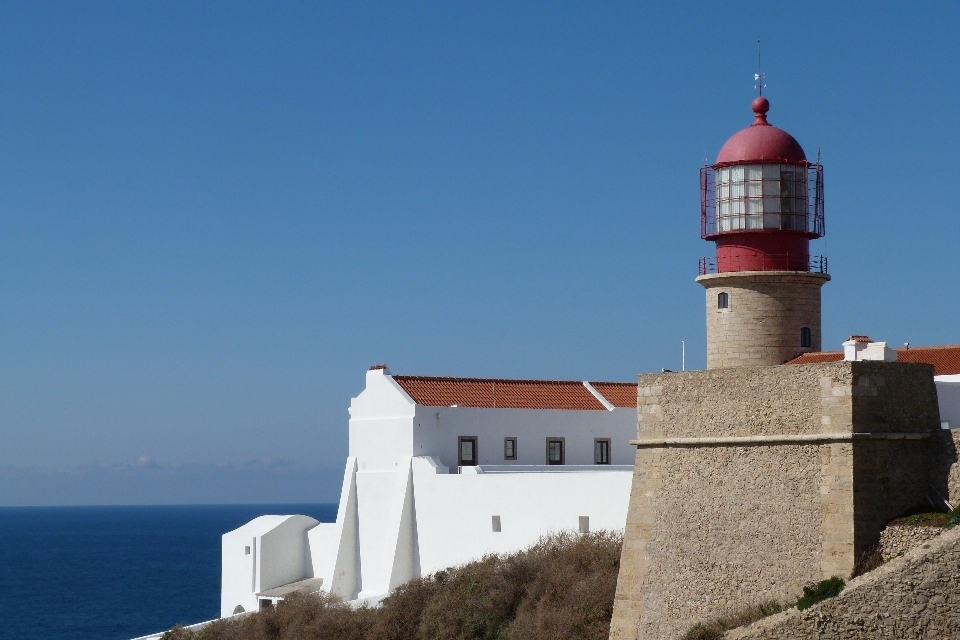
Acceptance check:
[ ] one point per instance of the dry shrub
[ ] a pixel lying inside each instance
(298, 617)
(868, 561)
(399, 615)
(562, 588)
(571, 591)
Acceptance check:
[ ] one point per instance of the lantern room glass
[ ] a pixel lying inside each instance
(762, 196)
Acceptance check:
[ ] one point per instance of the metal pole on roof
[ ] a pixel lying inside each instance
(683, 356)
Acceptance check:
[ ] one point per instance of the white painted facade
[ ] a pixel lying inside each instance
(266, 552)
(407, 509)
(948, 397)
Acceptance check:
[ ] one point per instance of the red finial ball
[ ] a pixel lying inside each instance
(760, 106)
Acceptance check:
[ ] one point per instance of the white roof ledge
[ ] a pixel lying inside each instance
(596, 394)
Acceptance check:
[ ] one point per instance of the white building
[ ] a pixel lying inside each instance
(442, 471)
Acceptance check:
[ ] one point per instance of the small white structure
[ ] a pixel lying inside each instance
(442, 471)
(863, 348)
(948, 397)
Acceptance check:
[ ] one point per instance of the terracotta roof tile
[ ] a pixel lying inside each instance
(817, 357)
(504, 394)
(619, 394)
(945, 359)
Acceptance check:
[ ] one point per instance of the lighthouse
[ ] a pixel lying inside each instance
(761, 203)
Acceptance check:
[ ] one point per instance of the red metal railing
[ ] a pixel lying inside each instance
(753, 262)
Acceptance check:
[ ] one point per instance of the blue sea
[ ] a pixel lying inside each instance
(116, 572)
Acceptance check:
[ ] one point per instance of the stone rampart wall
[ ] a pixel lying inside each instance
(896, 540)
(945, 470)
(715, 522)
(707, 543)
(913, 597)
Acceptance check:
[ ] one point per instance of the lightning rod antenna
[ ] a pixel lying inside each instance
(758, 76)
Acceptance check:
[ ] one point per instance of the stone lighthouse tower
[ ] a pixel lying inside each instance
(761, 203)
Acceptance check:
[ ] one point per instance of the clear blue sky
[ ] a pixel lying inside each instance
(215, 216)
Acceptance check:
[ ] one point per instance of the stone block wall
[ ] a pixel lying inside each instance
(761, 325)
(751, 482)
(915, 597)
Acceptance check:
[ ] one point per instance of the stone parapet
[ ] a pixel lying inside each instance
(751, 482)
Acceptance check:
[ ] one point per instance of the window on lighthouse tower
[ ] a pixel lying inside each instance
(723, 301)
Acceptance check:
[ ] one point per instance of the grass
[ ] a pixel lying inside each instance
(868, 561)
(561, 588)
(953, 518)
(812, 594)
(927, 519)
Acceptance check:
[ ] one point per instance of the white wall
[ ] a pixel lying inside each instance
(436, 430)
(419, 518)
(454, 511)
(335, 547)
(948, 397)
(284, 555)
(380, 419)
(279, 554)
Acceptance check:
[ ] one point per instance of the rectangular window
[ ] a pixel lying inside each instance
(555, 450)
(509, 448)
(601, 451)
(944, 424)
(805, 337)
(467, 446)
(495, 524)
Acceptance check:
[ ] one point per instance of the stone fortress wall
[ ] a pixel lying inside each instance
(751, 482)
(916, 596)
(945, 467)
(761, 324)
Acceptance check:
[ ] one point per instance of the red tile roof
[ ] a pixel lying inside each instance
(619, 394)
(513, 394)
(817, 357)
(945, 359)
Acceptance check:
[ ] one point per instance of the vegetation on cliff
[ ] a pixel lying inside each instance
(561, 588)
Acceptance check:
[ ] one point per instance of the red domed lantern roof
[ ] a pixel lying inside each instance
(761, 142)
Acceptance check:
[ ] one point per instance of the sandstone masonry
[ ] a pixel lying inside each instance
(765, 313)
(913, 597)
(898, 539)
(751, 482)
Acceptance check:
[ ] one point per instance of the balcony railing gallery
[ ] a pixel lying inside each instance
(753, 262)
